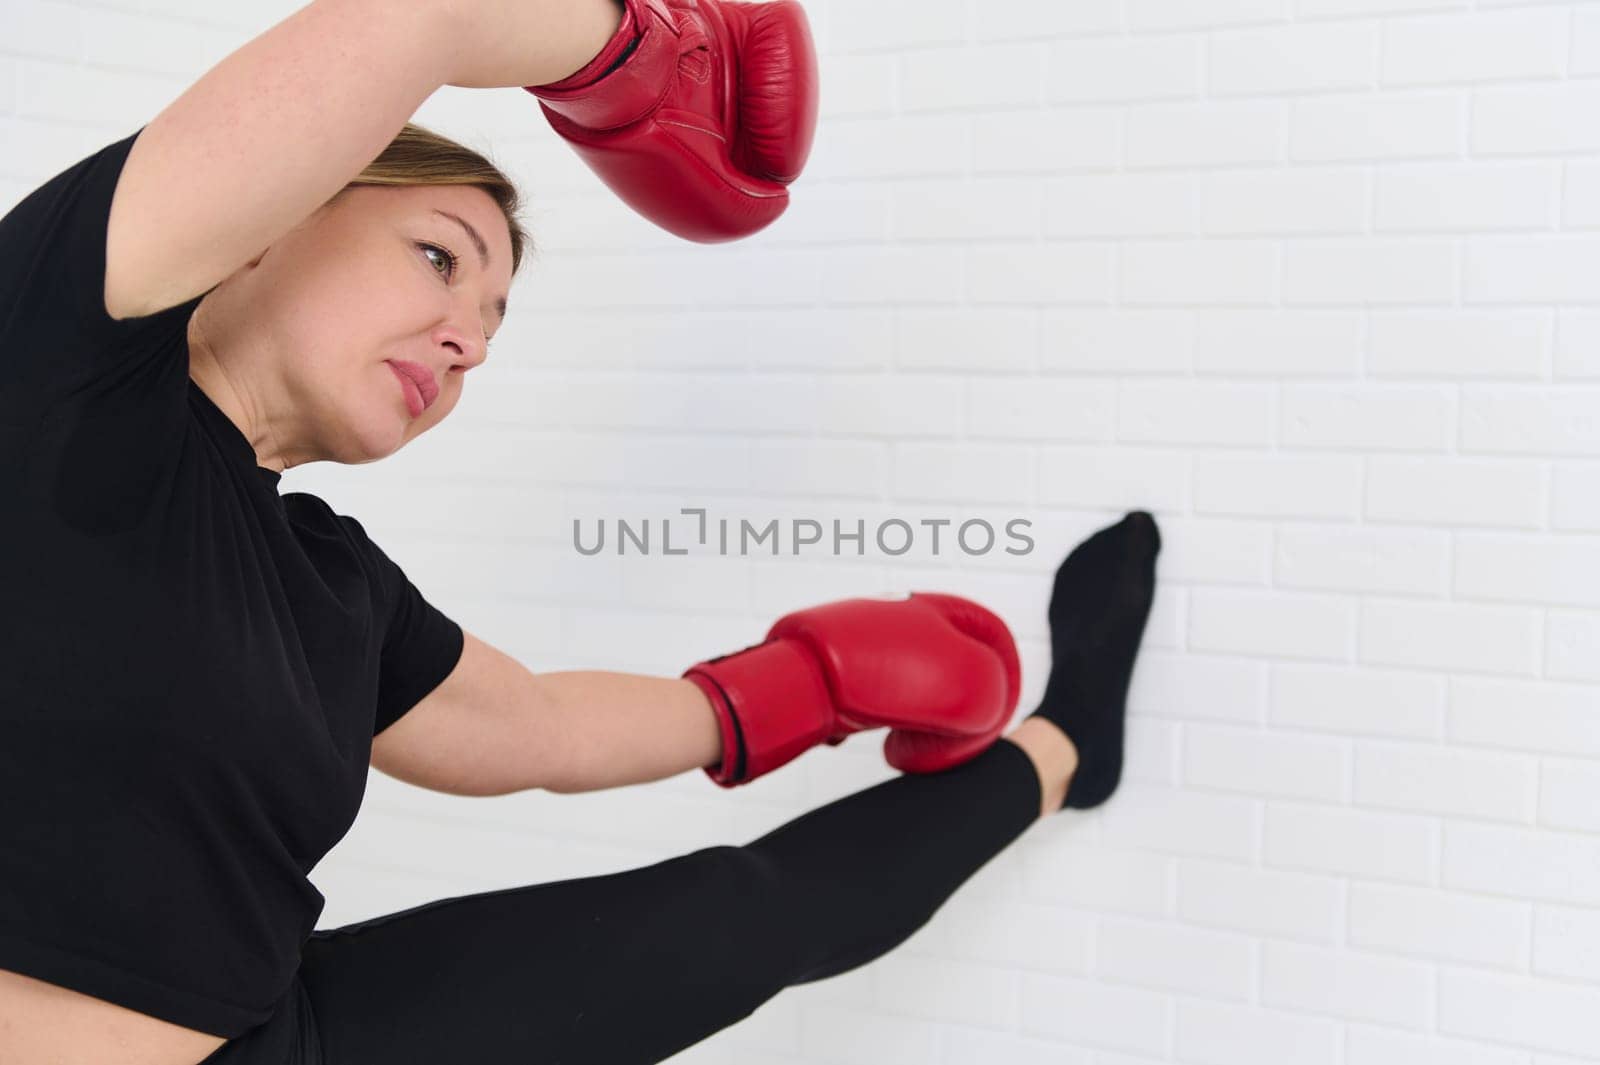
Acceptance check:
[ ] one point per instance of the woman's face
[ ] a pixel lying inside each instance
(383, 276)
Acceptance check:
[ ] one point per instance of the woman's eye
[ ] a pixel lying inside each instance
(448, 256)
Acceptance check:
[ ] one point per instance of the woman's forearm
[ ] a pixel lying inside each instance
(614, 729)
(500, 43)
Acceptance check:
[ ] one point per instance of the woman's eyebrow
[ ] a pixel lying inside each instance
(483, 250)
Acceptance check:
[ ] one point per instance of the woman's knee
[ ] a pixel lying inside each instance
(745, 886)
(750, 904)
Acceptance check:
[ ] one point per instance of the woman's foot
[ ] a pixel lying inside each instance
(1098, 609)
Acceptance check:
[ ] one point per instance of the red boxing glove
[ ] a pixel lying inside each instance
(707, 117)
(939, 670)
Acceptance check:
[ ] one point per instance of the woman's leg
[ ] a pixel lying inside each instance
(633, 967)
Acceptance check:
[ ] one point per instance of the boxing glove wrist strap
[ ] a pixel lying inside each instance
(594, 97)
(731, 768)
(622, 41)
(772, 706)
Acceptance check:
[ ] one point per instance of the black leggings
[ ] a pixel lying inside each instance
(635, 966)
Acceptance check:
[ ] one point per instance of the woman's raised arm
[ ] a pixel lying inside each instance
(279, 126)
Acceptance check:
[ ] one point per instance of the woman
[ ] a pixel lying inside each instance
(195, 670)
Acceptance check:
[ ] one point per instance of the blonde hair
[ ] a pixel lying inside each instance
(419, 156)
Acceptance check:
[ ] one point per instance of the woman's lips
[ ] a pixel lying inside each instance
(418, 383)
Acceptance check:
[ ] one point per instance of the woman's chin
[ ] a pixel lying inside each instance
(375, 436)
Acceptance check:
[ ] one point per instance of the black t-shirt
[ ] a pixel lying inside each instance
(192, 666)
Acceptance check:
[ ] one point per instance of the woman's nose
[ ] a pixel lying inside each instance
(467, 345)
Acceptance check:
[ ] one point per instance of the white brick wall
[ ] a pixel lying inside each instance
(1316, 281)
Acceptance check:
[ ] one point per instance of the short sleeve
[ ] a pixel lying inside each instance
(55, 332)
(421, 646)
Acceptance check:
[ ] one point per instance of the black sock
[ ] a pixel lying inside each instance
(1098, 610)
